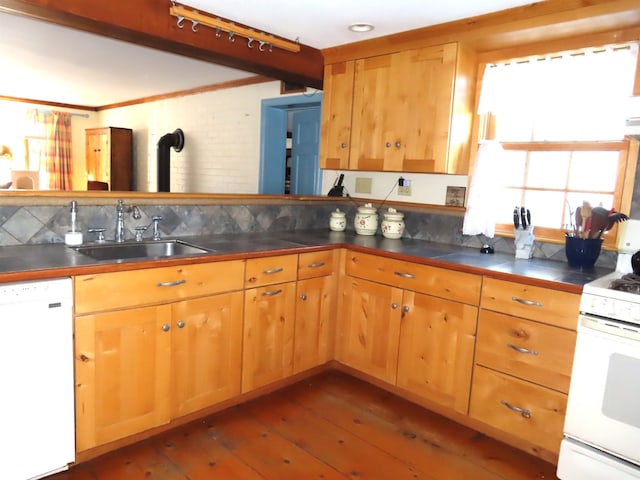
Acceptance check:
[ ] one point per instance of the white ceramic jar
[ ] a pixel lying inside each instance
(393, 224)
(366, 221)
(337, 221)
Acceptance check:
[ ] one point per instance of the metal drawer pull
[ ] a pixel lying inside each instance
(316, 265)
(171, 284)
(522, 411)
(521, 349)
(530, 303)
(273, 270)
(271, 293)
(405, 275)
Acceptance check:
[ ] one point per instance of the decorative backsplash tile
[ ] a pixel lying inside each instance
(35, 224)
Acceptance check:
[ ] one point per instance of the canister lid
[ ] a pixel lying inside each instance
(367, 208)
(393, 214)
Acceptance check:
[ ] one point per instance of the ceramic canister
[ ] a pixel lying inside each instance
(393, 224)
(366, 221)
(337, 221)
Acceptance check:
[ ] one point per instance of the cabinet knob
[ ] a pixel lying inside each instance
(388, 144)
(394, 306)
(181, 324)
(303, 297)
(166, 327)
(398, 144)
(343, 145)
(405, 309)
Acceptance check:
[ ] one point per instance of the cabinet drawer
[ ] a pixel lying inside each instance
(270, 270)
(315, 264)
(440, 282)
(535, 303)
(529, 350)
(495, 398)
(106, 291)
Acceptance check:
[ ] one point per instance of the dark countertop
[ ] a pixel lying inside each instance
(51, 260)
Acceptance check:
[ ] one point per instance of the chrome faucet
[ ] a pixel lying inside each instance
(156, 227)
(121, 209)
(120, 221)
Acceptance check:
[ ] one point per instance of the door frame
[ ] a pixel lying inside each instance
(273, 134)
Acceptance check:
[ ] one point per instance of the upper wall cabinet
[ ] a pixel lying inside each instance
(409, 111)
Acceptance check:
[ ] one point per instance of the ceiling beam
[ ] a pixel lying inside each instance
(148, 23)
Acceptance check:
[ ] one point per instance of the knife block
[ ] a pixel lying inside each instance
(524, 240)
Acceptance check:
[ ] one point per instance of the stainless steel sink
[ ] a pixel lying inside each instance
(147, 249)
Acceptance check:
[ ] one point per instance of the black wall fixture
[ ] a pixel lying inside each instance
(175, 140)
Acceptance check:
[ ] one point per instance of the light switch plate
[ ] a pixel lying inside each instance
(405, 191)
(363, 184)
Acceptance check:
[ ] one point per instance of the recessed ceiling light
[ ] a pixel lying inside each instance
(361, 27)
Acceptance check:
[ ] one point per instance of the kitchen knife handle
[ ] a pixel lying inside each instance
(516, 218)
(523, 217)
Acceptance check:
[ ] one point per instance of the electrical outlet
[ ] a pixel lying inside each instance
(405, 190)
(363, 184)
(404, 187)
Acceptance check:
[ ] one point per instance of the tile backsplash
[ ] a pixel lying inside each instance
(36, 224)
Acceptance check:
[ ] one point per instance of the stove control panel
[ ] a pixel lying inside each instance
(608, 307)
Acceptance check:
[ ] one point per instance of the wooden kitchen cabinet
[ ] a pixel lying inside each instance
(411, 111)
(170, 347)
(369, 328)
(269, 320)
(428, 316)
(269, 316)
(437, 340)
(123, 373)
(316, 310)
(206, 351)
(109, 153)
(523, 361)
(336, 115)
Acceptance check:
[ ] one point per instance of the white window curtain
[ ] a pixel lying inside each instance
(568, 97)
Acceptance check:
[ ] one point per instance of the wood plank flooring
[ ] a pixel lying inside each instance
(331, 426)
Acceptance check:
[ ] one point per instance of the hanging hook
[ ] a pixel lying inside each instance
(250, 42)
(232, 36)
(261, 47)
(271, 47)
(218, 34)
(180, 20)
(194, 25)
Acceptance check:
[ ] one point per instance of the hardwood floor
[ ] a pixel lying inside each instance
(328, 427)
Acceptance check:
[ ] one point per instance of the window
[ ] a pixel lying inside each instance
(560, 120)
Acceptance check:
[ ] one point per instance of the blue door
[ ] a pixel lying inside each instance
(305, 174)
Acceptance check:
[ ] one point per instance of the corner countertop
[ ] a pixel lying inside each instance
(29, 262)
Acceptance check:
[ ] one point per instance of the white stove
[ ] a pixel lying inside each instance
(600, 299)
(602, 422)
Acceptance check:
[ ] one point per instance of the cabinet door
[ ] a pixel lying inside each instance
(314, 328)
(98, 162)
(269, 314)
(122, 363)
(336, 116)
(369, 328)
(206, 351)
(436, 349)
(402, 110)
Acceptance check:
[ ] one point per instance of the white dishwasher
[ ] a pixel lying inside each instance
(36, 375)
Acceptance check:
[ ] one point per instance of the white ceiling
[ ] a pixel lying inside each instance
(56, 64)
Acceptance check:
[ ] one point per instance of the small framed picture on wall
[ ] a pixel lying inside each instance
(455, 196)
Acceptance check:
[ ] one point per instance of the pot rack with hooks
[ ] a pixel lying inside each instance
(264, 41)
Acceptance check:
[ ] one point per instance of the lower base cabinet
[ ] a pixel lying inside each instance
(138, 368)
(437, 339)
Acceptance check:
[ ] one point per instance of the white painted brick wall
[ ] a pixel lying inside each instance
(222, 138)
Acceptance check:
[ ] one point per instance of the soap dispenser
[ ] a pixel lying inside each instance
(73, 237)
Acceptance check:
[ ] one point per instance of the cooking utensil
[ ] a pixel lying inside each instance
(585, 212)
(599, 221)
(578, 224)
